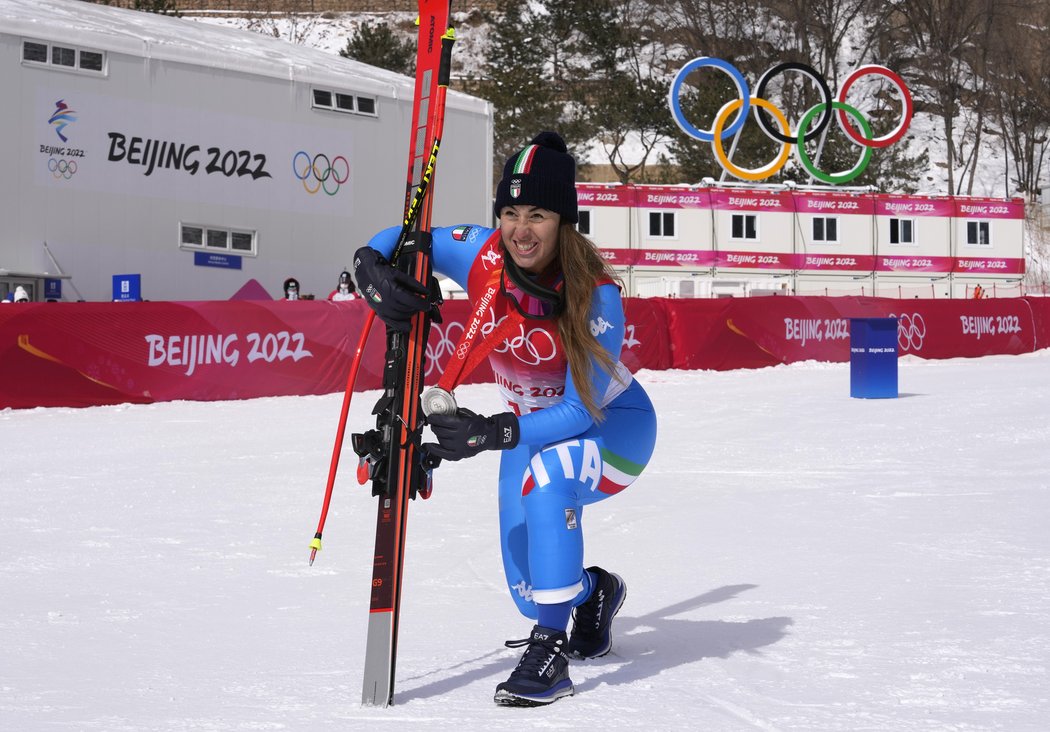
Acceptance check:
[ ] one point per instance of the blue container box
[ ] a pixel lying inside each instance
(873, 358)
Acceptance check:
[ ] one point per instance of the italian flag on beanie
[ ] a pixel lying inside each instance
(542, 174)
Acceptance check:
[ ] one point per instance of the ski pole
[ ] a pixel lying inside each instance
(351, 379)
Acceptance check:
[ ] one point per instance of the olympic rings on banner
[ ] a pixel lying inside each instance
(911, 332)
(328, 174)
(826, 108)
(438, 353)
(62, 168)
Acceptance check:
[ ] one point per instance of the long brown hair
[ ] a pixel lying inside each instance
(582, 268)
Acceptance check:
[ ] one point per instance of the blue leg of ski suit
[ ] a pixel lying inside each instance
(542, 492)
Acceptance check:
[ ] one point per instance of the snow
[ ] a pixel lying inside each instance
(796, 560)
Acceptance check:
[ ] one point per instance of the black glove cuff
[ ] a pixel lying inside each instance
(508, 431)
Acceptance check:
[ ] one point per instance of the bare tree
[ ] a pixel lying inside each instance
(293, 20)
(949, 38)
(820, 28)
(627, 102)
(1020, 75)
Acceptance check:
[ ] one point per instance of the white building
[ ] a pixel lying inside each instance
(733, 240)
(201, 157)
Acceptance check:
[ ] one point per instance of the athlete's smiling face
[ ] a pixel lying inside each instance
(530, 235)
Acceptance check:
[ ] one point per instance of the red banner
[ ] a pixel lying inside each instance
(989, 208)
(83, 354)
(757, 332)
(908, 206)
(593, 194)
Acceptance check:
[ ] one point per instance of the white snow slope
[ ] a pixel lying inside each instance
(796, 559)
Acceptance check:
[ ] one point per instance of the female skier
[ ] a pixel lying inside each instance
(580, 429)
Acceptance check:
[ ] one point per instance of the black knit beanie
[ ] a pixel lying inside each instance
(542, 174)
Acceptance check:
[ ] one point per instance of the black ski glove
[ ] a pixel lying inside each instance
(465, 434)
(394, 295)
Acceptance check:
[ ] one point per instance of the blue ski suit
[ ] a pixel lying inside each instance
(564, 460)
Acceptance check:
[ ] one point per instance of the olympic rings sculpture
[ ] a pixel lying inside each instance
(807, 130)
(62, 168)
(329, 174)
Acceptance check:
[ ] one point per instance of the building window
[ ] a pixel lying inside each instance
(192, 236)
(61, 56)
(584, 224)
(902, 231)
(826, 229)
(242, 241)
(745, 226)
(65, 57)
(218, 238)
(34, 52)
(91, 60)
(342, 102)
(662, 223)
(978, 233)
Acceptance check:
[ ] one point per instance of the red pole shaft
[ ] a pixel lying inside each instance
(333, 467)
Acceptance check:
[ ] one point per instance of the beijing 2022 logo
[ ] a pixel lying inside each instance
(826, 109)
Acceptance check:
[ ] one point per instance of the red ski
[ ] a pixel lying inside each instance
(391, 450)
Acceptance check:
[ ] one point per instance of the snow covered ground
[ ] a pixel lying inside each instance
(796, 559)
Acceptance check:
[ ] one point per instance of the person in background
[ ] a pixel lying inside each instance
(578, 430)
(21, 295)
(291, 289)
(345, 289)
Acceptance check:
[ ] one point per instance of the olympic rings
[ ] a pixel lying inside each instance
(826, 109)
(676, 93)
(911, 332)
(446, 344)
(833, 178)
(326, 172)
(817, 79)
(744, 173)
(902, 126)
(62, 168)
(523, 346)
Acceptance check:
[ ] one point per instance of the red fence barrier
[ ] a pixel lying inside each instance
(85, 354)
